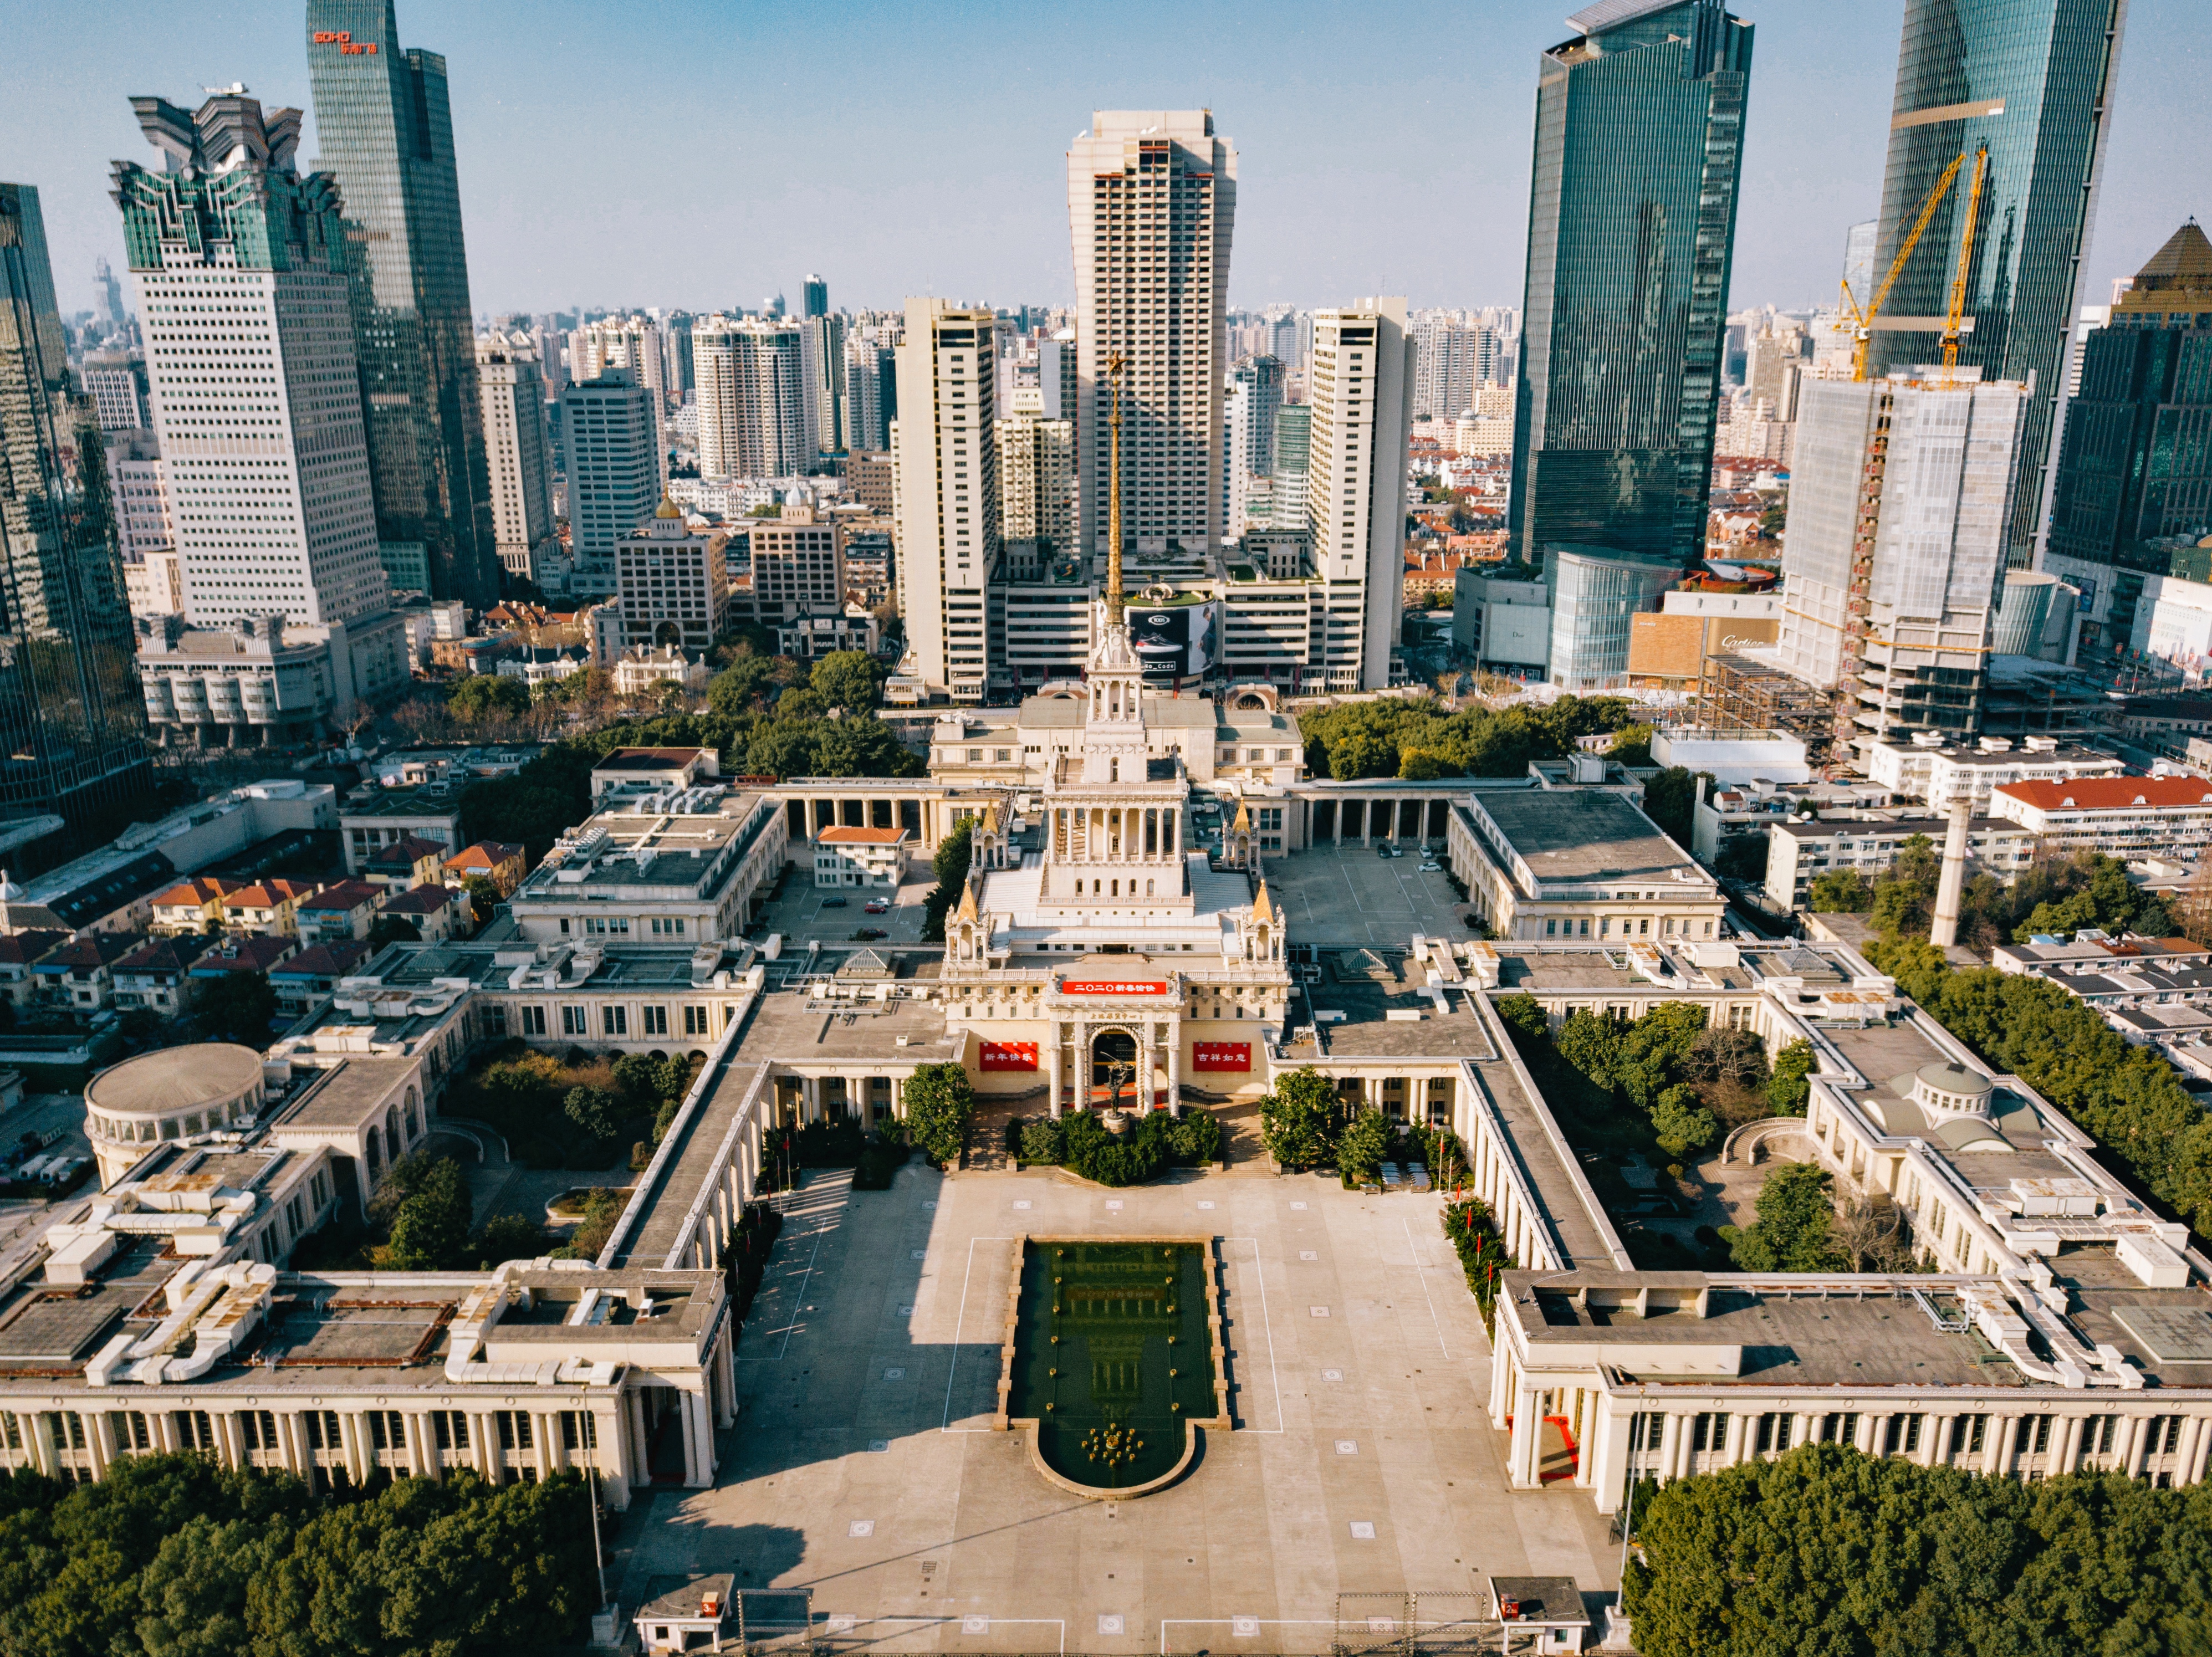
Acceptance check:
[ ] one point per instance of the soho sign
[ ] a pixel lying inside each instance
(343, 40)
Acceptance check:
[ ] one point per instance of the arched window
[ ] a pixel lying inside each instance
(1117, 889)
(1148, 888)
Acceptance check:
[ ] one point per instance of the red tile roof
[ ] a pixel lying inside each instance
(2110, 793)
(420, 900)
(485, 854)
(406, 852)
(20, 949)
(196, 891)
(346, 895)
(245, 955)
(332, 960)
(164, 954)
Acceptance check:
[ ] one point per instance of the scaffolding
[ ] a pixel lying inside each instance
(1741, 694)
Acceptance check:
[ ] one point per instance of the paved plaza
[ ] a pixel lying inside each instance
(863, 1468)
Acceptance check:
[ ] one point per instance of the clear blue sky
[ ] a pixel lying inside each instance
(687, 155)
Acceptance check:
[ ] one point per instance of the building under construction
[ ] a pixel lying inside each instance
(1743, 693)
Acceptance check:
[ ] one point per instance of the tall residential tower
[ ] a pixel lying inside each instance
(1151, 200)
(945, 472)
(387, 133)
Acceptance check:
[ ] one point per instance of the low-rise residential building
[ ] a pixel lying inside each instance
(346, 909)
(1799, 851)
(497, 861)
(1580, 863)
(79, 976)
(401, 865)
(2121, 816)
(813, 633)
(156, 976)
(437, 911)
(267, 905)
(643, 668)
(636, 771)
(852, 856)
(304, 982)
(194, 905)
(20, 951)
(252, 955)
(693, 867)
(372, 817)
(1930, 770)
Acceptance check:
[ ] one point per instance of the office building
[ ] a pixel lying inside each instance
(1448, 368)
(1255, 396)
(1632, 225)
(671, 584)
(69, 710)
(139, 488)
(2028, 81)
(386, 132)
(2131, 486)
(1557, 863)
(798, 566)
(1151, 200)
(1359, 393)
(615, 478)
(871, 396)
(1293, 459)
(752, 397)
(1898, 508)
(1596, 594)
(116, 383)
(822, 353)
(1036, 481)
(945, 461)
(519, 455)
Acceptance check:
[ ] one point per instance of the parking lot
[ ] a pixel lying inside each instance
(1355, 896)
(799, 914)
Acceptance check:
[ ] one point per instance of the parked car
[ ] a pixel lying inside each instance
(1431, 868)
(869, 934)
(875, 906)
(835, 902)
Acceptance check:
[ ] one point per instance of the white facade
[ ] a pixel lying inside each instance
(1449, 369)
(521, 465)
(946, 493)
(1359, 389)
(671, 584)
(1152, 202)
(265, 676)
(614, 473)
(139, 487)
(1036, 481)
(267, 466)
(750, 381)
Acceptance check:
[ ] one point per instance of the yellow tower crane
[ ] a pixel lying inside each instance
(1861, 321)
(1955, 315)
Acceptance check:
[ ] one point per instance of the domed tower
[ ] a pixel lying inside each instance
(1238, 843)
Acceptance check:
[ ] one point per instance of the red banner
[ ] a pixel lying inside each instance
(1221, 1055)
(1114, 987)
(1010, 1055)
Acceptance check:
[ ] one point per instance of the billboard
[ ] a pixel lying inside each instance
(1010, 1055)
(1221, 1055)
(1177, 641)
(1114, 986)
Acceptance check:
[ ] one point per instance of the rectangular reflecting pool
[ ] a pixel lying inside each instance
(1113, 1354)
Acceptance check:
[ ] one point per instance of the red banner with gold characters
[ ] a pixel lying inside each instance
(1114, 986)
(1010, 1055)
(1221, 1055)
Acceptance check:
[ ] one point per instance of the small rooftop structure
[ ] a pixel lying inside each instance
(689, 1617)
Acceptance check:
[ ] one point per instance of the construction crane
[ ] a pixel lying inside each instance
(1861, 321)
(1953, 316)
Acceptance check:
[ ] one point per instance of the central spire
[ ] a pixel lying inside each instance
(1114, 495)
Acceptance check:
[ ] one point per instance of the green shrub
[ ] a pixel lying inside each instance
(880, 1160)
(1482, 1255)
(1198, 1138)
(1042, 1140)
(1366, 1145)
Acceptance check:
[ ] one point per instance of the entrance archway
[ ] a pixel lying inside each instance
(1113, 1068)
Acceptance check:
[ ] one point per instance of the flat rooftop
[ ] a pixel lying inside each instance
(1576, 836)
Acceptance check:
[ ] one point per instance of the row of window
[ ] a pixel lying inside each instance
(652, 1019)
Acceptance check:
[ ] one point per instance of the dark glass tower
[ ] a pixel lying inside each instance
(387, 134)
(2133, 492)
(1631, 223)
(2028, 79)
(72, 716)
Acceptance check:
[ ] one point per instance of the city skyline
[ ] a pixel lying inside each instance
(1440, 154)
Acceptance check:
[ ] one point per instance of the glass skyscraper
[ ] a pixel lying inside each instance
(72, 716)
(1631, 221)
(2133, 493)
(387, 134)
(2028, 79)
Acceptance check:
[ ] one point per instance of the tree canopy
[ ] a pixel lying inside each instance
(1796, 1207)
(940, 1102)
(1416, 737)
(1828, 1550)
(1299, 1119)
(954, 853)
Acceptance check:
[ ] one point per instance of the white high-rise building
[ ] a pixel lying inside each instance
(1360, 392)
(944, 489)
(1152, 198)
(1036, 480)
(751, 377)
(822, 350)
(1900, 492)
(1254, 397)
(614, 479)
(520, 459)
(1448, 368)
(870, 395)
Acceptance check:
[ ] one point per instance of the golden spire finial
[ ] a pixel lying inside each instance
(1114, 495)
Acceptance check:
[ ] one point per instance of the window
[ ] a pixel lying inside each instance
(533, 1020)
(615, 1020)
(656, 1020)
(496, 1017)
(576, 1021)
(1551, 928)
(694, 1020)
(450, 1428)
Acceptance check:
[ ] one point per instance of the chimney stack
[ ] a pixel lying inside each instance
(1945, 932)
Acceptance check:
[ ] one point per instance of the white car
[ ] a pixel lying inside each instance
(1431, 868)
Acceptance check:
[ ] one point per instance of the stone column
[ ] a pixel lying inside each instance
(2004, 1437)
(2187, 1459)
(1523, 1448)
(422, 1444)
(99, 1439)
(2069, 1456)
(640, 1444)
(359, 1455)
(698, 1440)
(1871, 1427)
(2137, 1444)
(1175, 1066)
(543, 1428)
(1935, 1443)
(1055, 1056)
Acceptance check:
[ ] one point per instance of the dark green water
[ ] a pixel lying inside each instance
(1113, 1306)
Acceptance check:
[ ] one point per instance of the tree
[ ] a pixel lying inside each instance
(940, 1102)
(1787, 1089)
(1681, 1123)
(1364, 1145)
(484, 895)
(1670, 799)
(1841, 891)
(430, 1232)
(594, 1111)
(850, 679)
(1744, 858)
(1631, 744)
(508, 1237)
(235, 1007)
(1796, 1208)
(954, 853)
(738, 688)
(474, 695)
(1299, 1119)
(393, 929)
